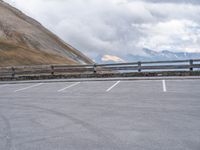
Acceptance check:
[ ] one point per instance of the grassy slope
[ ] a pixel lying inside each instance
(14, 55)
(26, 51)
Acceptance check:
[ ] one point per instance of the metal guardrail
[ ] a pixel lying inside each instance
(186, 65)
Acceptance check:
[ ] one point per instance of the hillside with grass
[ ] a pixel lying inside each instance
(24, 41)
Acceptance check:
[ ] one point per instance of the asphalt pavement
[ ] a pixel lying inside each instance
(100, 115)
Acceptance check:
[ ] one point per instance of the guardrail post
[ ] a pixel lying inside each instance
(191, 65)
(94, 68)
(52, 70)
(139, 66)
(13, 72)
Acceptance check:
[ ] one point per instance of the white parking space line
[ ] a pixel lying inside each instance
(35, 85)
(164, 86)
(109, 89)
(63, 89)
(3, 85)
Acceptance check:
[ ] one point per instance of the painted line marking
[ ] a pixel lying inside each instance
(164, 86)
(109, 89)
(61, 90)
(4, 85)
(35, 85)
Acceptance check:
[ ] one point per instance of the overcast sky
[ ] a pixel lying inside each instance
(120, 27)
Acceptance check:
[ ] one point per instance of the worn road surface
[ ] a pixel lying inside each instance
(101, 115)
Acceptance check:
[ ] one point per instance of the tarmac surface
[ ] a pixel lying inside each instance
(101, 115)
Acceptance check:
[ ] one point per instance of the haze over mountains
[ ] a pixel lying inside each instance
(152, 55)
(148, 55)
(24, 41)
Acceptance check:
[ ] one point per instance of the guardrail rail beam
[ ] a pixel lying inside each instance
(148, 66)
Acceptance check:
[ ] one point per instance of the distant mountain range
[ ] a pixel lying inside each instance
(151, 55)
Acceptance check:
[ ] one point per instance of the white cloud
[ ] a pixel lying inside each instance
(173, 35)
(119, 27)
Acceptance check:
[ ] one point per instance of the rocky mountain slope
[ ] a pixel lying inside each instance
(24, 41)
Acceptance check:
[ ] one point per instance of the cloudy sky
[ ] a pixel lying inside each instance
(120, 27)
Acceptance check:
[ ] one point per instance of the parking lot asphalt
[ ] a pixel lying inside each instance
(101, 115)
